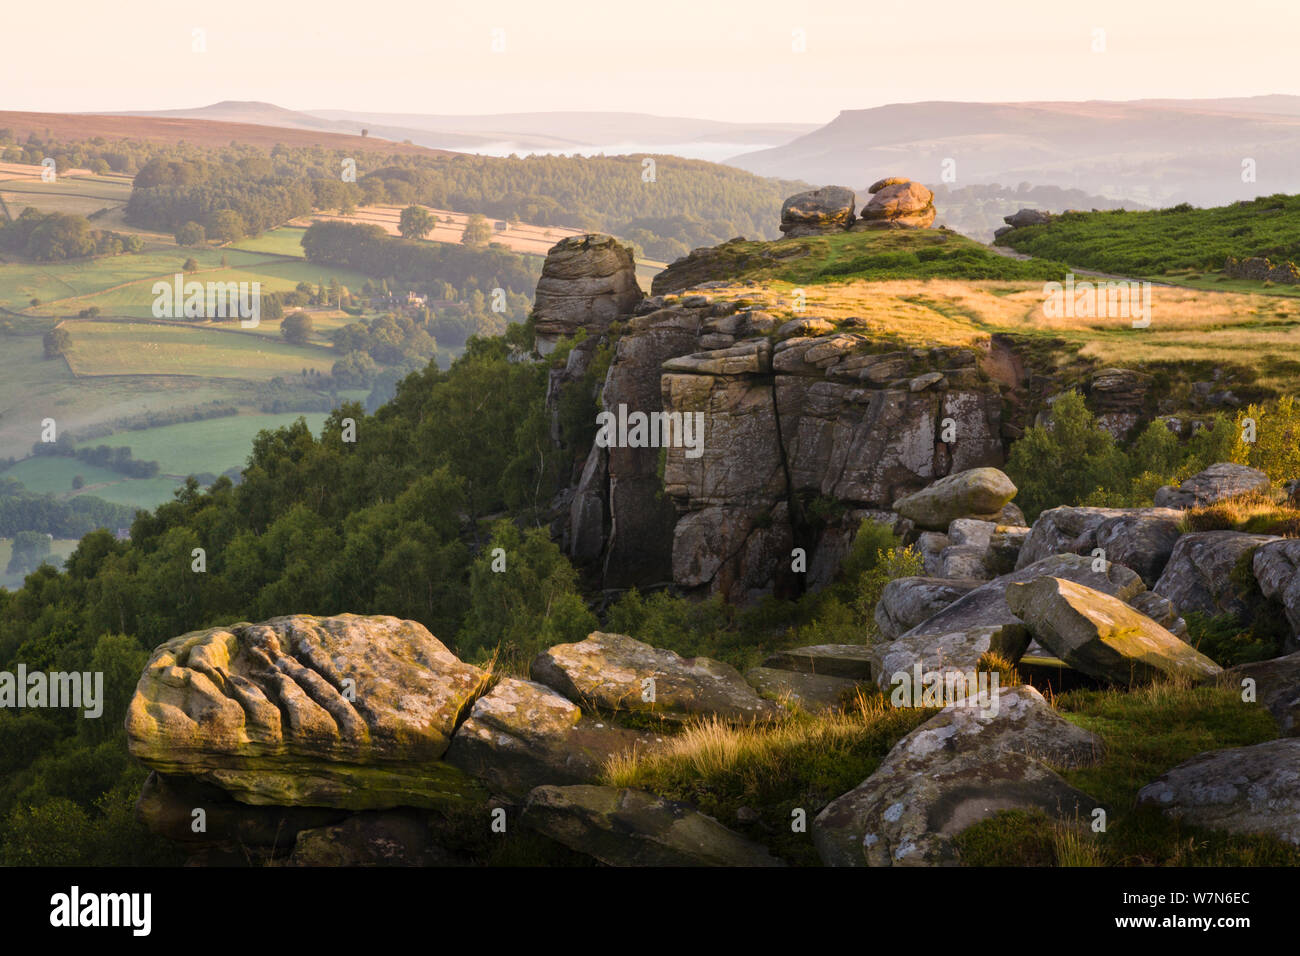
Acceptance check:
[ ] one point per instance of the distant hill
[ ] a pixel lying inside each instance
(1156, 152)
(69, 127)
(504, 133)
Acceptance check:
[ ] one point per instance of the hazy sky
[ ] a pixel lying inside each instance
(720, 59)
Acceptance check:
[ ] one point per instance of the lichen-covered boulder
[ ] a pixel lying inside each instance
(1276, 565)
(618, 673)
(906, 602)
(810, 692)
(1220, 481)
(345, 711)
(1102, 636)
(1200, 573)
(897, 203)
(851, 661)
(974, 493)
(1275, 684)
(587, 281)
(622, 827)
(818, 211)
(960, 767)
(524, 734)
(1240, 790)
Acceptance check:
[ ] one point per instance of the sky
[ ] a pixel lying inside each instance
(742, 60)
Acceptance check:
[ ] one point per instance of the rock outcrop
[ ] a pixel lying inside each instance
(587, 281)
(907, 602)
(1240, 790)
(818, 211)
(897, 203)
(1101, 636)
(958, 768)
(1028, 217)
(342, 711)
(1224, 480)
(1276, 685)
(615, 672)
(977, 492)
(1276, 566)
(1200, 573)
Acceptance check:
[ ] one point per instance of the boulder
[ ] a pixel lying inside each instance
(345, 711)
(1277, 687)
(986, 606)
(1027, 217)
(960, 767)
(852, 661)
(1065, 530)
(977, 492)
(1142, 540)
(1005, 546)
(586, 282)
(1199, 574)
(811, 692)
(523, 735)
(1249, 790)
(618, 673)
(1215, 483)
(955, 652)
(897, 203)
(906, 602)
(818, 211)
(1277, 569)
(1101, 636)
(634, 828)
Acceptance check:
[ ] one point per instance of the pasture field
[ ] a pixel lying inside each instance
(156, 348)
(212, 445)
(284, 241)
(64, 287)
(47, 474)
(76, 195)
(60, 548)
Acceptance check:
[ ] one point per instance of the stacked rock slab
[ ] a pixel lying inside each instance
(818, 211)
(587, 281)
(897, 203)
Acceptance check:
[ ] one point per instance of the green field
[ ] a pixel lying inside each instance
(207, 446)
(1167, 240)
(156, 348)
(284, 241)
(60, 548)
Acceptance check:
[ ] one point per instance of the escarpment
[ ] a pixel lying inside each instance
(748, 446)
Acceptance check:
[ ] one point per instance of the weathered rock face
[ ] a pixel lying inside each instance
(618, 673)
(958, 768)
(897, 203)
(587, 281)
(1240, 790)
(1199, 575)
(977, 492)
(1277, 687)
(342, 711)
(829, 209)
(1118, 396)
(817, 415)
(1102, 636)
(955, 652)
(907, 602)
(523, 735)
(634, 828)
(851, 661)
(1215, 483)
(373, 838)
(1277, 569)
(1138, 538)
(811, 692)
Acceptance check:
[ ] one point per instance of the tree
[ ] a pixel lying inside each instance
(296, 327)
(190, 265)
(56, 342)
(226, 225)
(30, 549)
(477, 231)
(191, 234)
(416, 222)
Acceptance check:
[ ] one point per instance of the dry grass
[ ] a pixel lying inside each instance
(1255, 513)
